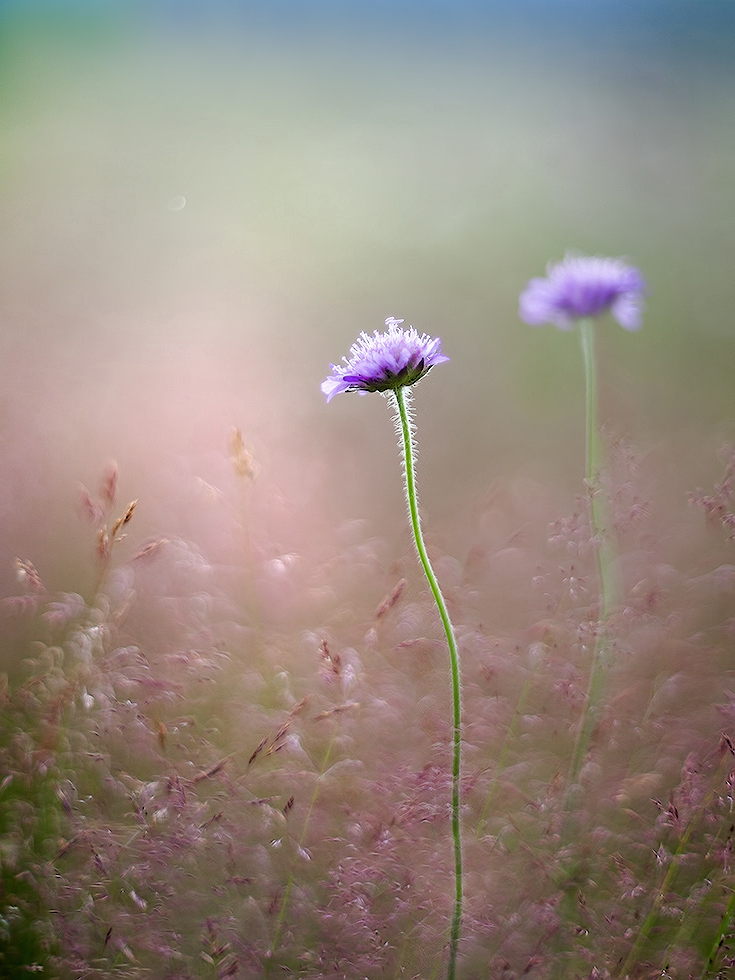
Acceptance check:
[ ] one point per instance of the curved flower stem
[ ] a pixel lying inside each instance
(598, 521)
(403, 424)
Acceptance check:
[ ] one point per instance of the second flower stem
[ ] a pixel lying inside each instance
(598, 520)
(598, 508)
(404, 426)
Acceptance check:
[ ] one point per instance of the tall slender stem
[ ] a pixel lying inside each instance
(598, 521)
(404, 426)
(586, 328)
(598, 507)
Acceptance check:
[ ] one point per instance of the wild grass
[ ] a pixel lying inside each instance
(200, 784)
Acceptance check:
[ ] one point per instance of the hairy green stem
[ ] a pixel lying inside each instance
(404, 426)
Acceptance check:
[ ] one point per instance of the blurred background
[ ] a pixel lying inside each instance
(203, 204)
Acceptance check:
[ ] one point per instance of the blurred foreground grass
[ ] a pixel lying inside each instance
(331, 177)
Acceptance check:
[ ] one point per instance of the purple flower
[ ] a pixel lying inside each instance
(385, 361)
(583, 286)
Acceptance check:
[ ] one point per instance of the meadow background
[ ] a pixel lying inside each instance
(202, 205)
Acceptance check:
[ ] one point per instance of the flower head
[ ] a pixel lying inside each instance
(385, 361)
(582, 286)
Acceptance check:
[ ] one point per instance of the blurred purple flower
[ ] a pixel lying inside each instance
(584, 286)
(385, 361)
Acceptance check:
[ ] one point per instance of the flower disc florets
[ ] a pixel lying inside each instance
(582, 286)
(385, 361)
